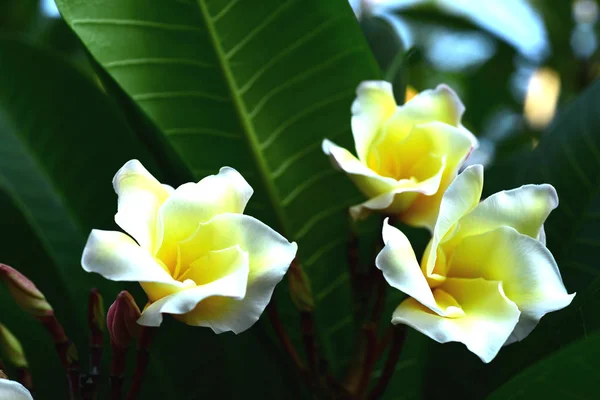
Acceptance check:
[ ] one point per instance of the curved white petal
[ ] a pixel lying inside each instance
(140, 197)
(194, 203)
(525, 266)
(117, 257)
(11, 390)
(524, 209)
(488, 320)
(373, 105)
(462, 196)
(232, 284)
(401, 269)
(270, 256)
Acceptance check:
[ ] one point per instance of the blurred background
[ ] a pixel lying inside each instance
(511, 61)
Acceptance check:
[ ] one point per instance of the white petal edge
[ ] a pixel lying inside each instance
(525, 209)
(462, 195)
(12, 390)
(194, 203)
(373, 105)
(118, 257)
(400, 268)
(483, 333)
(232, 285)
(140, 196)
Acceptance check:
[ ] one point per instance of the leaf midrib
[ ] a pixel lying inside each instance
(242, 113)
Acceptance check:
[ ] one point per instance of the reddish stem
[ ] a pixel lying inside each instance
(117, 371)
(370, 332)
(142, 361)
(24, 377)
(67, 353)
(307, 326)
(96, 343)
(399, 336)
(286, 343)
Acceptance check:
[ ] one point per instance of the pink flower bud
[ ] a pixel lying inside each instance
(25, 293)
(121, 320)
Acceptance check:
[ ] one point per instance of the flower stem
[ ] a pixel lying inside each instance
(370, 332)
(286, 343)
(96, 342)
(24, 378)
(117, 371)
(67, 353)
(142, 361)
(399, 336)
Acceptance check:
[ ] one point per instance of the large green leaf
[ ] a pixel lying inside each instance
(568, 157)
(62, 141)
(257, 86)
(58, 133)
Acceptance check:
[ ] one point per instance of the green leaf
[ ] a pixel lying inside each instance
(257, 86)
(62, 141)
(569, 373)
(568, 157)
(58, 133)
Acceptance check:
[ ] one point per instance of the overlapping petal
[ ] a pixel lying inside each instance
(462, 196)
(525, 266)
(232, 284)
(269, 255)
(488, 320)
(373, 105)
(116, 256)
(525, 209)
(140, 197)
(193, 203)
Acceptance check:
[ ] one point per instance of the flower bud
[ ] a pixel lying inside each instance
(96, 313)
(121, 320)
(300, 290)
(25, 293)
(11, 348)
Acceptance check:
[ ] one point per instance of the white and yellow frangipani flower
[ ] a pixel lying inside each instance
(486, 277)
(407, 155)
(11, 390)
(197, 256)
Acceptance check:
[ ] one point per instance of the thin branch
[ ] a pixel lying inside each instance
(67, 353)
(117, 371)
(142, 361)
(370, 332)
(399, 336)
(286, 343)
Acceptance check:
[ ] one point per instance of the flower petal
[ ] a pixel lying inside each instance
(455, 144)
(140, 197)
(525, 266)
(488, 320)
(117, 257)
(270, 255)
(194, 203)
(373, 105)
(401, 269)
(11, 390)
(462, 196)
(406, 192)
(233, 267)
(524, 209)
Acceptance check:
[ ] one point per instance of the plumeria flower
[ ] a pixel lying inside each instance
(486, 278)
(407, 155)
(11, 390)
(197, 256)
